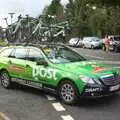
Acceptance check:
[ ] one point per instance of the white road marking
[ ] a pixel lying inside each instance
(67, 117)
(51, 98)
(3, 116)
(93, 56)
(58, 107)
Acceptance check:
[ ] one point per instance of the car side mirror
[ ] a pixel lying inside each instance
(42, 62)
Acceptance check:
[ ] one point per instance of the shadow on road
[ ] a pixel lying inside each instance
(27, 89)
(108, 101)
(98, 102)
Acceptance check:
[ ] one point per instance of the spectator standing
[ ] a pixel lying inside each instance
(106, 43)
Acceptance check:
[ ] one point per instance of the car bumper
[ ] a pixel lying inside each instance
(111, 47)
(99, 91)
(97, 46)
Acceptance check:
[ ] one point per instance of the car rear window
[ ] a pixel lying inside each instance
(20, 53)
(6, 52)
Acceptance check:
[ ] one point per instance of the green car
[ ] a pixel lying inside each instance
(58, 69)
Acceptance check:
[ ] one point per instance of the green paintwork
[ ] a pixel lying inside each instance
(28, 70)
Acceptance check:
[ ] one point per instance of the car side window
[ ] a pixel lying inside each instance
(20, 53)
(6, 52)
(34, 55)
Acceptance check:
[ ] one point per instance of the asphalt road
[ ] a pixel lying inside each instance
(24, 103)
(98, 54)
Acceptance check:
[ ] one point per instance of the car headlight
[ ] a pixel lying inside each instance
(89, 80)
(98, 82)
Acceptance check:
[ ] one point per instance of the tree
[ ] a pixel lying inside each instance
(56, 9)
(93, 17)
(85, 18)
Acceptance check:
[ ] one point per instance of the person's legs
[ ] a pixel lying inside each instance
(107, 48)
(104, 47)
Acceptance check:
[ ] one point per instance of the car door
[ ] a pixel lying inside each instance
(34, 71)
(38, 67)
(17, 62)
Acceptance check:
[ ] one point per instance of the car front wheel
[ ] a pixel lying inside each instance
(5, 79)
(68, 92)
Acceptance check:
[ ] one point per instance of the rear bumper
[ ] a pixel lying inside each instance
(97, 46)
(92, 91)
(112, 47)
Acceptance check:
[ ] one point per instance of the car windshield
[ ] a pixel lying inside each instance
(95, 39)
(60, 54)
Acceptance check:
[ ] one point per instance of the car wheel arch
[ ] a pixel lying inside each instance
(3, 69)
(9, 82)
(67, 79)
(92, 46)
(72, 85)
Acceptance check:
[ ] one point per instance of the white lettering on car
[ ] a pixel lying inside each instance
(44, 72)
(93, 89)
(50, 74)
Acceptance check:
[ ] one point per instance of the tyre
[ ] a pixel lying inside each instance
(83, 46)
(5, 79)
(117, 48)
(92, 46)
(68, 92)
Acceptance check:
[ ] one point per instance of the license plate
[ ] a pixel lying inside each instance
(113, 88)
(111, 48)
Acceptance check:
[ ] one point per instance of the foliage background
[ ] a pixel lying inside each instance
(85, 17)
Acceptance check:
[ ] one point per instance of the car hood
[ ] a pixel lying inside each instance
(89, 68)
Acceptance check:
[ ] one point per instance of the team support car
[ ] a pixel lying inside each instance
(58, 69)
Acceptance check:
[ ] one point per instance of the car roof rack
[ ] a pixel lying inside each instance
(39, 44)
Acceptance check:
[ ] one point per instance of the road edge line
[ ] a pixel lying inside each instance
(3, 116)
(67, 117)
(58, 107)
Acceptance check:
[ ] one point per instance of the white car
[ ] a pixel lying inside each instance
(75, 42)
(91, 42)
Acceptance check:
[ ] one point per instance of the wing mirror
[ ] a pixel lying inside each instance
(42, 62)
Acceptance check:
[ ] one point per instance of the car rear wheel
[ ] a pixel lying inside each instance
(83, 46)
(92, 46)
(117, 48)
(68, 92)
(5, 79)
